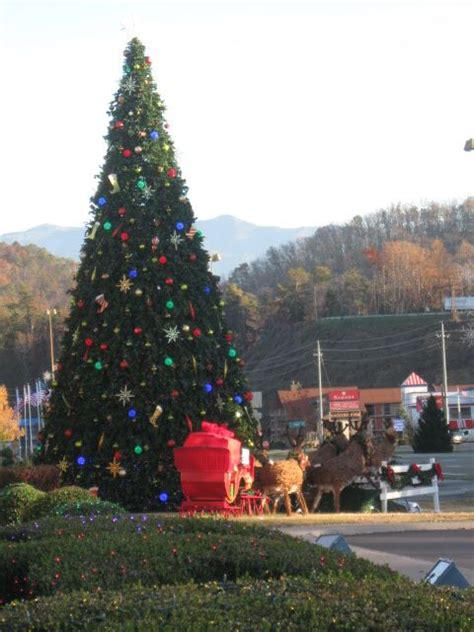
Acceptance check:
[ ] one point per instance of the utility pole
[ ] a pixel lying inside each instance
(319, 355)
(50, 313)
(443, 335)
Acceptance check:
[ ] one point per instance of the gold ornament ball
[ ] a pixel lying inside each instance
(138, 149)
(116, 330)
(142, 246)
(138, 169)
(78, 444)
(84, 323)
(142, 134)
(210, 332)
(147, 344)
(166, 147)
(109, 417)
(132, 220)
(142, 384)
(185, 327)
(184, 286)
(238, 414)
(138, 292)
(104, 396)
(160, 169)
(122, 472)
(202, 413)
(137, 66)
(167, 184)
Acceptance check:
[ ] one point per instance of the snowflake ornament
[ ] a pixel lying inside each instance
(176, 239)
(125, 395)
(129, 85)
(171, 333)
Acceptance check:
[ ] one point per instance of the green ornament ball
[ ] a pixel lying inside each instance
(141, 184)
(138, 450)
(98, 365)
(232, 352)
(168, 361)
(107, 226)
(169, 304)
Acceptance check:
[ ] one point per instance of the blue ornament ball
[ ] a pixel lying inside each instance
(207, 388)
(163, 497)
(207, 290)
(133, 273)
(132, 413)
(102, 201)
(81, 460)
(238, 399)
(154, 135)
(179, 226)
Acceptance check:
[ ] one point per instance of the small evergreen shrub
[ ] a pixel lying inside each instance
(16, 500)
(87, 507)
(47, 504)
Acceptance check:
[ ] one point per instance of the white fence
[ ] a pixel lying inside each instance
(387, 493)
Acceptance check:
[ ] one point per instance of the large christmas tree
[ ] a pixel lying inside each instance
(146, 355)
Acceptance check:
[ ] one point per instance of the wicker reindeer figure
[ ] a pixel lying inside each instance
(384, 447)
(330, 448)
(279, 479)
(339, 472)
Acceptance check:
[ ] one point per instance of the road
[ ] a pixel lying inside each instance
(456, 545)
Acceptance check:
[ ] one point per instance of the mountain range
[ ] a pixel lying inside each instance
(235, 240)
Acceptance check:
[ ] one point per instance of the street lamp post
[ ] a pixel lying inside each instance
(51, 313)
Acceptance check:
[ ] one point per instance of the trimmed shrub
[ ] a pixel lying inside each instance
(16, 500)
(47, 504)
(332, 602)
(88, 507)
(109, 553)
(43, 477)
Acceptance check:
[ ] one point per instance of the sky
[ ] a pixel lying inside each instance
(290, 113)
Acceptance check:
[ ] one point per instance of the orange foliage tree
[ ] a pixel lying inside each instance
(9, 426)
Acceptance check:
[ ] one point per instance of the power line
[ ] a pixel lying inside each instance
(396, 344)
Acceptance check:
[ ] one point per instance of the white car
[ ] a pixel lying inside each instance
(463, 436)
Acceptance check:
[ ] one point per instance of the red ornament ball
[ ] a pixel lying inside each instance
(169, 281)
(163, 260)
(123, 364)
(241, 363)
(219, 382)
(192, 257)
(197, 332)
(124, 236)
(171, 443)
(104, 346)
(119, 125)
(248, 396)
(88, 342)
(126, 153)
(175, 393)
(147, 60)
(229, 336)
(117, 455)
(137, 331)
(171, 173)
(80, 303)
(122, 211)
(68, 433)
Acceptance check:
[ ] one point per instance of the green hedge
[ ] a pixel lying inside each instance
(108, 553)
(16, 500)
(330, 602)
(49, 503)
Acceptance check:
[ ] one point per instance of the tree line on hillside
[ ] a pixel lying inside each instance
(31, 281)
(399, 260)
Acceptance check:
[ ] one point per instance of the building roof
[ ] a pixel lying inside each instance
(414, 380)
(380, 396)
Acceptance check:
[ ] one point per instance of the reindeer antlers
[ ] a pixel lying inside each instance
(298, 441)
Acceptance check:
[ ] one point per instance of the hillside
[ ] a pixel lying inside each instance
(236, 241)
(371, 351)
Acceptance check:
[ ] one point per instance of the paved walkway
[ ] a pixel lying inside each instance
(393, 544)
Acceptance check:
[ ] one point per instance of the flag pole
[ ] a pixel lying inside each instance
(17, 394)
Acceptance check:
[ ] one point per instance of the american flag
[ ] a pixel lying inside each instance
(191, 232)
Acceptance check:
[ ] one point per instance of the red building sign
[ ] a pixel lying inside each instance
(344, 401)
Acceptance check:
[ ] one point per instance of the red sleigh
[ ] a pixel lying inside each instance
(214, 469)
